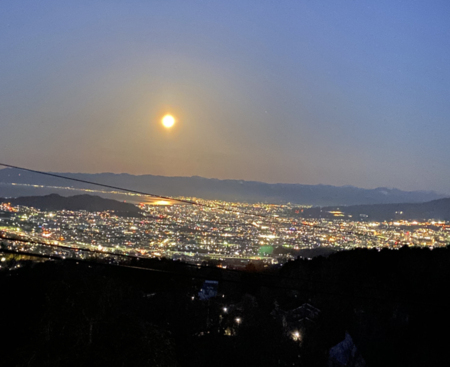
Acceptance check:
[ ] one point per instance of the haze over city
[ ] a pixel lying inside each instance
(340, 93)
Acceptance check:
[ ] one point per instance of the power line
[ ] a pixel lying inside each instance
(217, 207)
(210, 276)
(229, 280)
(220, 207)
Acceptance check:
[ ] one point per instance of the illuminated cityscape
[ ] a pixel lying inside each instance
(220, 233)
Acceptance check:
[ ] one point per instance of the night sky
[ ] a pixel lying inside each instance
(331, 92)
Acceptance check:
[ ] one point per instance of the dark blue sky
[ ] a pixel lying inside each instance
(332, 92)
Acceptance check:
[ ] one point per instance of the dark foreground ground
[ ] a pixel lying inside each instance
(389, 306)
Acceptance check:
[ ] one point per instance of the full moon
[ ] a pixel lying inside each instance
(168, 121)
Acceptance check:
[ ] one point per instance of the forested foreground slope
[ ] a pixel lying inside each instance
(391, 303)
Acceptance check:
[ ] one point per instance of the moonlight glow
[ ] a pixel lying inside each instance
(168, 121)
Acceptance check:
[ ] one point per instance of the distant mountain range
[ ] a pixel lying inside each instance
(230, 190)
(436, 209)
(78, 202)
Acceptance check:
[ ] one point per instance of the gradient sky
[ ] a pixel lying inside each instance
(332, 92)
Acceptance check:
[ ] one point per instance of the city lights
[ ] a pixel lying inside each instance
(266, 236)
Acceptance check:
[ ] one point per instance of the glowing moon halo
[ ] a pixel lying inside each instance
(168, 121)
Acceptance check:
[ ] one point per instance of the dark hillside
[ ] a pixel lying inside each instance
(89, 203)
(436, 209)
(392, 304)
